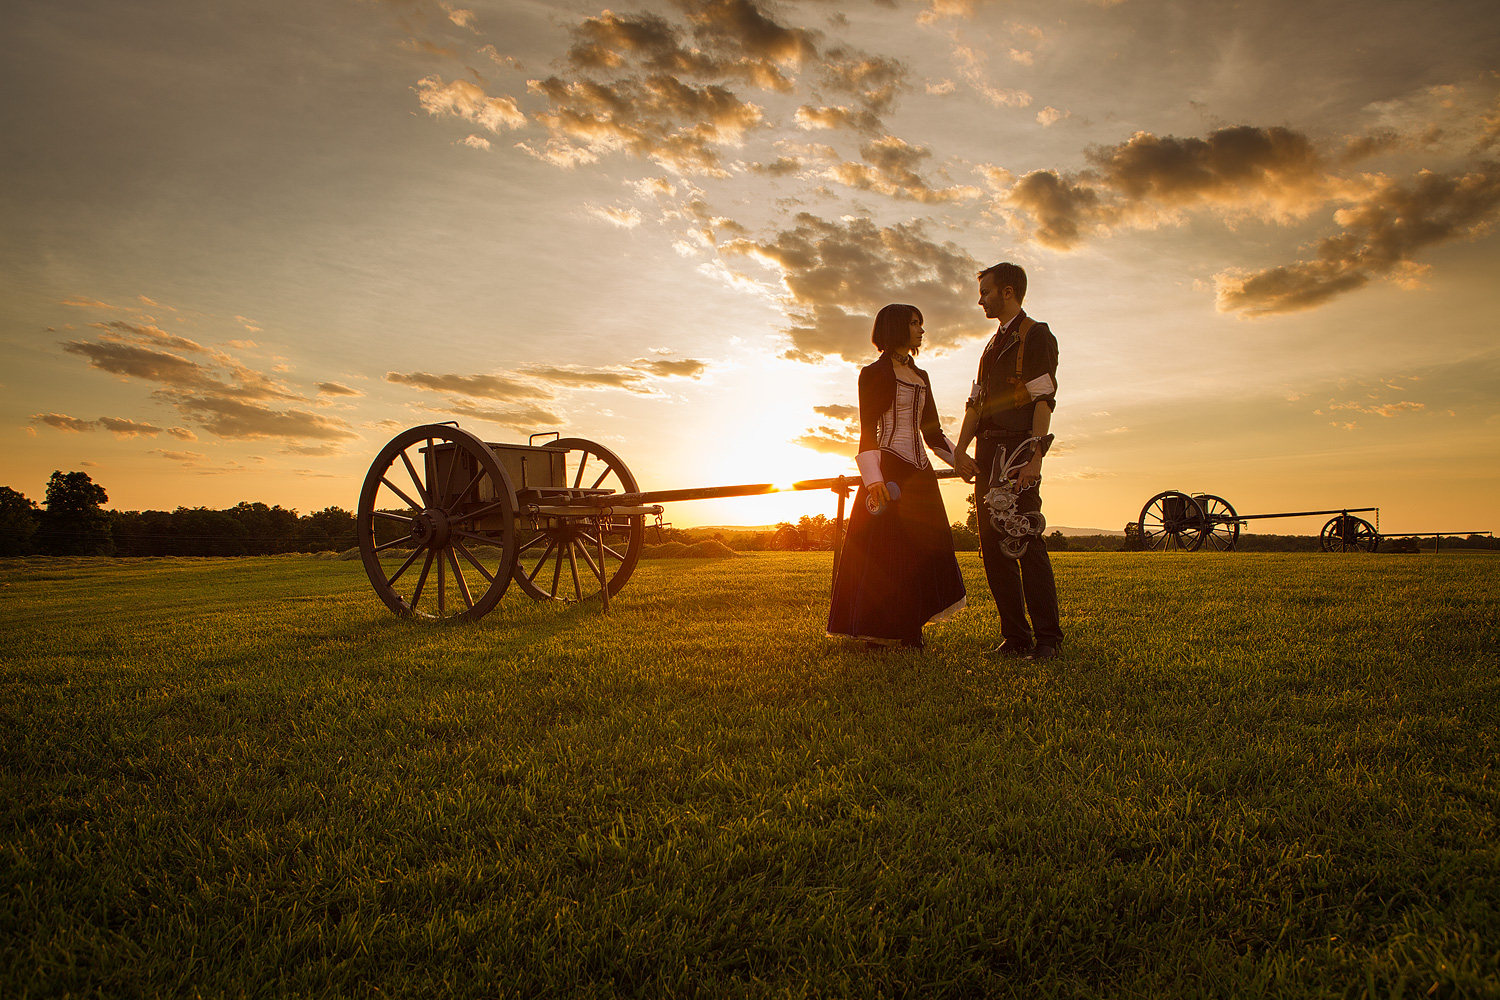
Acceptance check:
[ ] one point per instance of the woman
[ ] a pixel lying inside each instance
(897, 571)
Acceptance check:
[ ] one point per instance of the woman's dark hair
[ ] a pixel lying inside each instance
(893, 325)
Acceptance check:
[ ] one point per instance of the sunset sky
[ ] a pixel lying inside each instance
(242, 244)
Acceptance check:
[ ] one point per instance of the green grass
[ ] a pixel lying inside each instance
(1249, 774)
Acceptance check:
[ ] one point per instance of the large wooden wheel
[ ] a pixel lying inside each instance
(569, 558)
(1347, 533)
(1222, 528)
(436, 524)
(1172, 520)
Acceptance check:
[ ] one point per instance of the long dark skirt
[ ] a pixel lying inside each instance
(897, 571)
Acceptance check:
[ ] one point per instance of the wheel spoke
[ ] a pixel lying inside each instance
(416, 595)
(531, 577)
(474, 515)
(583, 460)
(475, 537)
(583, 550)
(416, 479)
(404, 567)
(459, 581)
(393, 542)
(459, 546)
(391, 517)
(573, 565)
(539, 539)
(602, 476)
(556, 570)
(609, 549)
(397, 490)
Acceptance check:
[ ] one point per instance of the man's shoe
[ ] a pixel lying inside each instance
(1042, 653)
(1012, 650)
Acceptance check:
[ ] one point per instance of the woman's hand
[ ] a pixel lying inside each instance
(966, 467)
(880, 493)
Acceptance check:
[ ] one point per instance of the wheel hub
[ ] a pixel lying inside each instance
(431, 528)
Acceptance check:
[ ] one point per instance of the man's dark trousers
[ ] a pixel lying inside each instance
(1020, 585)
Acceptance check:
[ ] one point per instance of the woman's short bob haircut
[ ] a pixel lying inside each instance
(893, 326)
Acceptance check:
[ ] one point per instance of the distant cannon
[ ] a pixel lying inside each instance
(1175, 520)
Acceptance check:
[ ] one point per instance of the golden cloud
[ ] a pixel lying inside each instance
(468, 101)
(838, 274)
(1382, 233)
(889, 168)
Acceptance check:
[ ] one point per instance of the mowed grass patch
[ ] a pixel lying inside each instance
(1248, 774)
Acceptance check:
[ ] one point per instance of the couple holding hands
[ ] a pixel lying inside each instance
(898, 571)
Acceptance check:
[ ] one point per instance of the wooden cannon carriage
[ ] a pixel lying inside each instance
(447, 522)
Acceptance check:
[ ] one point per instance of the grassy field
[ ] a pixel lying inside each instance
(1248, 775)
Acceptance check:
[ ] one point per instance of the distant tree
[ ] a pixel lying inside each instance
(965, 539)
(268, 530)
(142, 532)
(19, 519)
(330, 528)
(75, 522)
(1133, 540)
(198, 531)
(1057, 542)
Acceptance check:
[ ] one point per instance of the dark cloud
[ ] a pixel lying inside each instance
(1271, 172)
(519, 418)
(177, 374)
(742, 28)
(841, 437)
(120, 427)
(890, 168)
(572, 377)
(683, 368)
(185, 457)
(238, 418)
(63, 422)
(677, 125)
(147, 333)
(838, 275)
(223, 395)
(134, 361)
(337, 389)
(782, 166)
(838, 117)
(477, 386)
(873, 80)
(1382, 234)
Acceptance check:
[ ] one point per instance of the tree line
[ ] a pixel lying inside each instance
(72, 521)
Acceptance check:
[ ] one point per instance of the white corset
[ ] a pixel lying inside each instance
(900, 429)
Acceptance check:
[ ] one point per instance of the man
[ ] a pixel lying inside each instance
(1013, 400)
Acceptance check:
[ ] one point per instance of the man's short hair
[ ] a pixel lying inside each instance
(1006, 273)
(893, 325)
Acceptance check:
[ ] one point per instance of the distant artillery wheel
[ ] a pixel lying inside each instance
(437, 498)
(1172, 520)
(1347, 533)
(1222, 527)
(561, 559)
